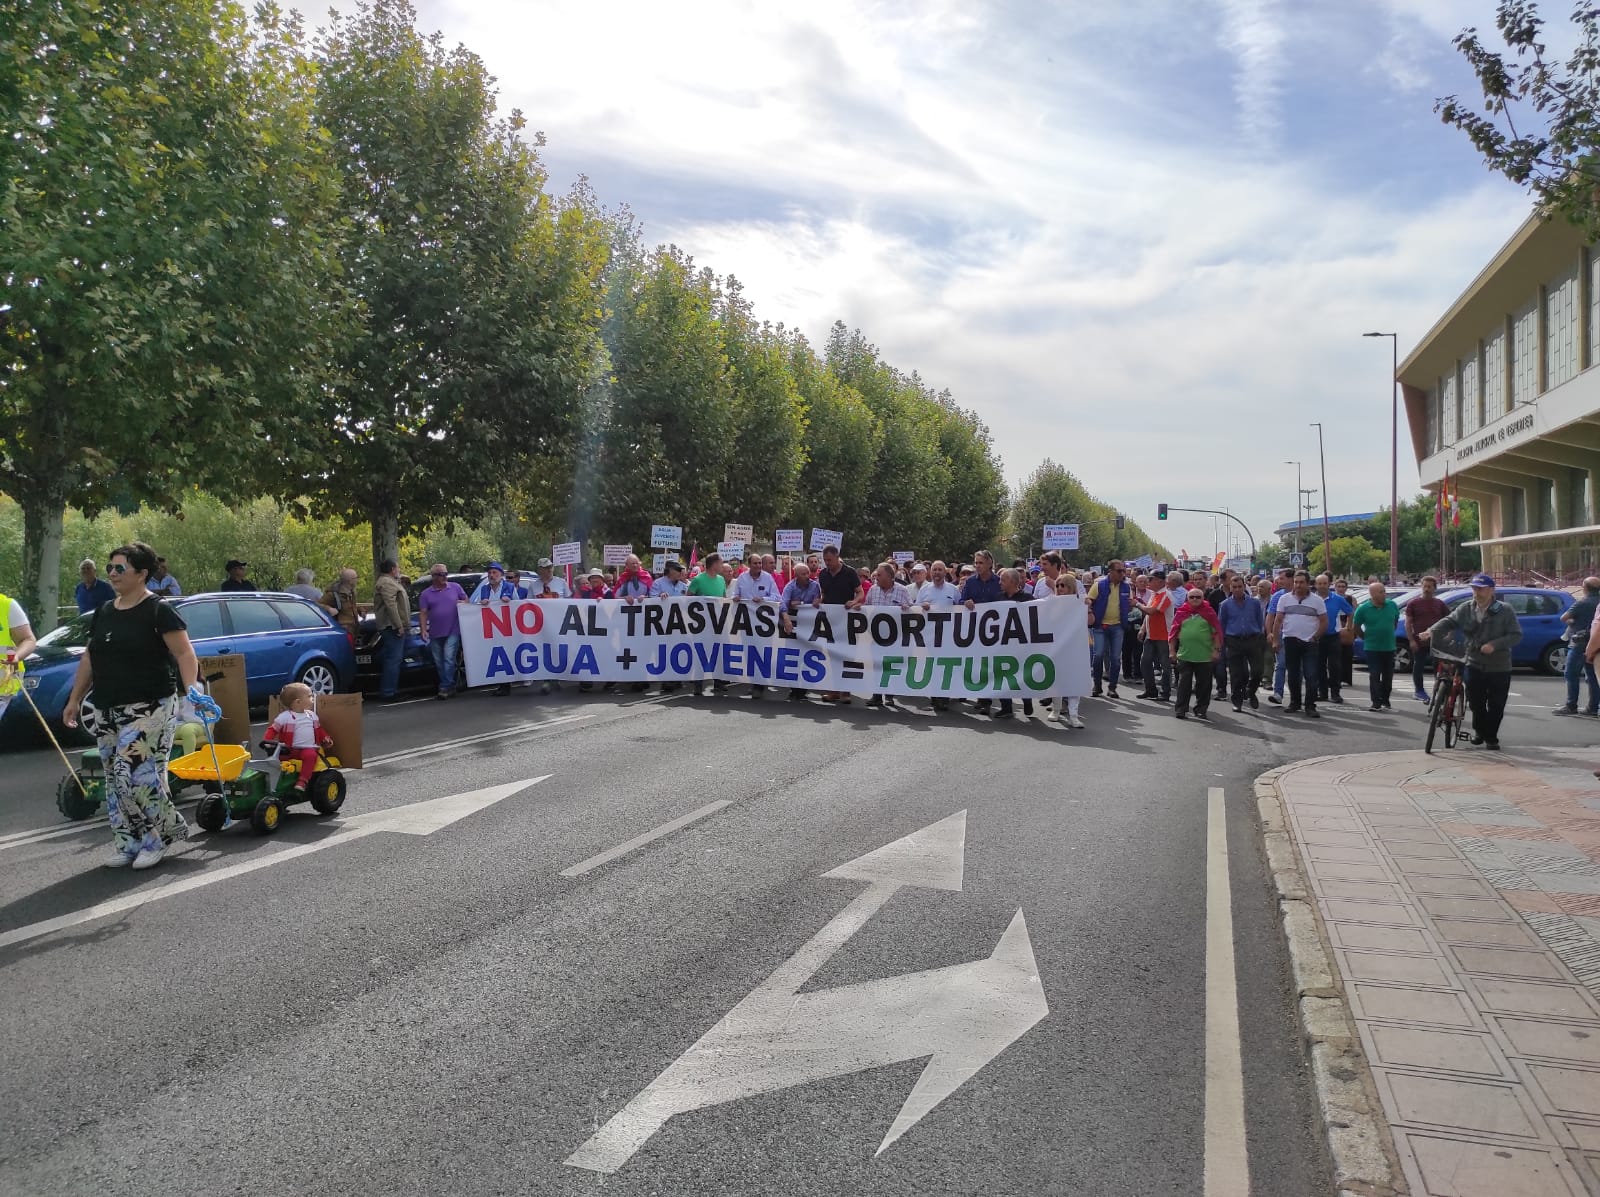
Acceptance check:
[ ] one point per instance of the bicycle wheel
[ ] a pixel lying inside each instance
(1455, 713)
(1444, 690)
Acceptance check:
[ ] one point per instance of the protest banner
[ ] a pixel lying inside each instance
(790, 540)
(658, 563)
(902, 556)
(665, 536)
(1061, 537)
(743, 533)
(732, 548)
(616, 554)
(821, 538)
(567, 553)
(997, 650)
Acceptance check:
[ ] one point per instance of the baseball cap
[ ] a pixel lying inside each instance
(674, 565)
(546, 563)
(497, 565)
(1480, 580)
(235, 563)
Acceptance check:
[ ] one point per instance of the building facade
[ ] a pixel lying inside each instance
(1503, 398)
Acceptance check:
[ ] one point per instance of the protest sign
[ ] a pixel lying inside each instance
(658, 563)
(665, 536)
(997, 650)
(616, 554)
(567, 553)
(821, 538)
(731, 548)
(904, 555)
(790, 540)
(1061, 537)
(743, 533)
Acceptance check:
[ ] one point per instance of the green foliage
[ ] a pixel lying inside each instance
(165, 229)
(1540, 120)
(1419, 540)
(1353, 557)
(1051, 495)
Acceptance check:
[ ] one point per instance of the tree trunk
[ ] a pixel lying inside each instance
(385, 537)
(42, 519)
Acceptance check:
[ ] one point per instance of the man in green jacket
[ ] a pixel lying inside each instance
(1492, 631)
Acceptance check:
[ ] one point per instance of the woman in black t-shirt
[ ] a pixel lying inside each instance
(138, 662)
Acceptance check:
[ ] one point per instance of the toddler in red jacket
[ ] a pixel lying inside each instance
(297, 732)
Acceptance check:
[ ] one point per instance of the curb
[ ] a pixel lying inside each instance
(1353, 1122)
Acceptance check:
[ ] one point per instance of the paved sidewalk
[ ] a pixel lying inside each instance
(1459, 898)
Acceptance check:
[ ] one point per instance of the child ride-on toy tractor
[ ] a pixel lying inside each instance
(79, 795)
(247, 791)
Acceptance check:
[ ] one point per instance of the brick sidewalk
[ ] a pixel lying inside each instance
(1460, 899)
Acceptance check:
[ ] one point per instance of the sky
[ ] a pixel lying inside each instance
(1140, 239)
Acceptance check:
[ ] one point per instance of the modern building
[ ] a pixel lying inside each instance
(1503, 394)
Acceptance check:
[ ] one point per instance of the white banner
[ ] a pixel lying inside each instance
(790, 540)
(570, 553)
(998, 650)
(1061, 537)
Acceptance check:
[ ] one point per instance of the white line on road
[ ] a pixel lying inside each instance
(1227, 1163)
(638, 841)
(421, 818)
(515, 729)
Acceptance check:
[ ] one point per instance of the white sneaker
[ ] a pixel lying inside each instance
(1074, 721)
(117, 858)
(149, 857)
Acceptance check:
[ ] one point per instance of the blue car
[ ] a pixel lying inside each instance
(1539, 611)
(282, 638)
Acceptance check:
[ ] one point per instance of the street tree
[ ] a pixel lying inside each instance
(768, 417)
(166, 251)
(841, 444)
(976, 498)
(478, 291)
(1539, 121)
(1051, 495)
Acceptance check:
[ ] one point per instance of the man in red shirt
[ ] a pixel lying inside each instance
(1422, 612)
(1157, 655)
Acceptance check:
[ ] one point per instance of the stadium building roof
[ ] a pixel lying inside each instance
(1315, 524)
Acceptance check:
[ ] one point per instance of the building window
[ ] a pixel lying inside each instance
(1448, 409)
(1525, 353)
(1494, 376)
(1471, 396)
(1580, 502)
(1433, 420)
(1561, 327)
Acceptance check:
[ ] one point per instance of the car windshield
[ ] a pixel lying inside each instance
(72, 634)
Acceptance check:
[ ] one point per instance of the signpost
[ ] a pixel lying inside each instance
(790, 540)
(666, 536)
(1297, 559)
(1061, 537)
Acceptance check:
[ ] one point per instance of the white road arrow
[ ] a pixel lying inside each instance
(962, 1016)
(421, 818)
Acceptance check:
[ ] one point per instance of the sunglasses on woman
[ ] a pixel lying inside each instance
(116, 567)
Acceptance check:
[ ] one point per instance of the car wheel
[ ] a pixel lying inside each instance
(319, 675)
(1553, 660)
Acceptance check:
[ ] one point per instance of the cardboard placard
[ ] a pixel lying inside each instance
(616, 554)
(903, 556)
(1061, 537)
(731, 548)
(568, 553)
(666, 536)
(790, 540)
(658, 564)
(340, 715)
(743, 533)
(232, 695)
(822, 538)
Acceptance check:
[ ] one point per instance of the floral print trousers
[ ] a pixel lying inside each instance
(135, 742)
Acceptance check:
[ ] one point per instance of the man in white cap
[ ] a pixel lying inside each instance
(1492, 631)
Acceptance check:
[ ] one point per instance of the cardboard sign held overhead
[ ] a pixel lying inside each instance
(232, 695)
(567, 553)
(666, 536)
(790, 540)
(822, 538)
(743, 533)
(616, 554)
(340, 715)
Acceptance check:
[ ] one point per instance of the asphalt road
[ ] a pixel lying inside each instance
(384, 1010)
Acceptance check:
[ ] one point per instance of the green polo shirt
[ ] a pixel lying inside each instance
(709, 585)
(1375, 624)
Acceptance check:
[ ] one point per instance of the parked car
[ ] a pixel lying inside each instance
(416, 665)
(1539, 611)
(283, 638)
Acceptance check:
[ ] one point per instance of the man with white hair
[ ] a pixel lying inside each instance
(92, 590)
(303, 585)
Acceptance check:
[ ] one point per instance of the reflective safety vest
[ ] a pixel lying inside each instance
(8, 688)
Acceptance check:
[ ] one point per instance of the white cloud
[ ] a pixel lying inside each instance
(1065, 216)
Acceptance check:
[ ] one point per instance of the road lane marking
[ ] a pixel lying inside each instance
(957, 1018)
(420, 818)
(515, 729)
(1227, 1163)
(639, 841)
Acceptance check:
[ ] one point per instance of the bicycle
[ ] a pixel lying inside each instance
(1449, 706)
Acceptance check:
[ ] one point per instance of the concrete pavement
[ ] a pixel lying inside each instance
(449, 1013)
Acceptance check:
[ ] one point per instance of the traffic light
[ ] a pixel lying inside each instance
(1161, 511)
(1119, 523)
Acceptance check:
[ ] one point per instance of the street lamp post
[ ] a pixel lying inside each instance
(1322, 459)
(1394, 455)
(1296, 466)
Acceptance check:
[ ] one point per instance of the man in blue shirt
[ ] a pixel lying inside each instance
(93, 590)
(1244, 629)
(982, 587)
(1330, 661)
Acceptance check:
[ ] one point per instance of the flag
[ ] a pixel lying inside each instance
(1438, 510)
(1455, 503)
(694, 553)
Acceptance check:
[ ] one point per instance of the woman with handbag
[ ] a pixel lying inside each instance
(138, 663)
